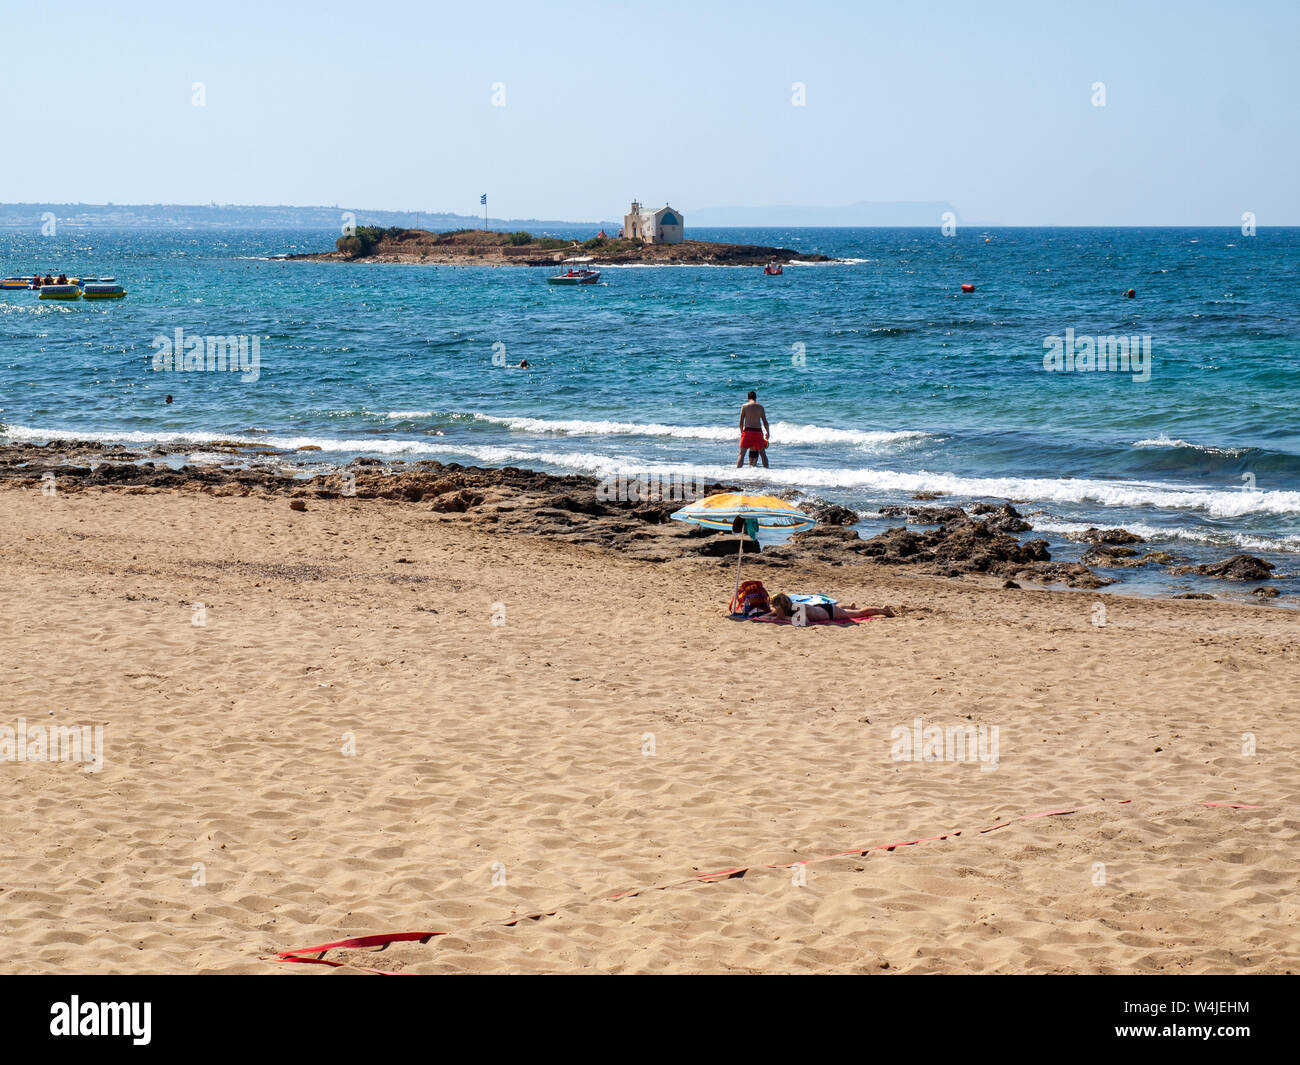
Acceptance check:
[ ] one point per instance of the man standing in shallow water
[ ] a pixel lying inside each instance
(753, 438)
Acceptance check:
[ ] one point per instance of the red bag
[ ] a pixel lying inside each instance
(750, 599)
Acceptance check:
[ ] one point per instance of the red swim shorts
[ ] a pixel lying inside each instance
(752, 440)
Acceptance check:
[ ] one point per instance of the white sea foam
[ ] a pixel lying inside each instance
(369, 445)
(1214, 501)
(1164, 441)
(782, 432)
(211, 458)
(1217, 502)
(1215, 537)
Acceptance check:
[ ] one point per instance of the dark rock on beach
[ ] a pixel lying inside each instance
(1109, 536)
(726, 546)
(831, 513)
(924, 515)
(457, 501)
(1001, 517)
(1126, 557)
(1071, 574)
(1236, 568)
(959, 545)
(1007, 519)
(828, 537)
(627, 517)
(1102, 555)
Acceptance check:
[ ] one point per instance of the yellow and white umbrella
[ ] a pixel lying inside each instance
(744, 513)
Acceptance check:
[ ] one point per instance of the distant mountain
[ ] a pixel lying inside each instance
(234, 216)
(901, 213)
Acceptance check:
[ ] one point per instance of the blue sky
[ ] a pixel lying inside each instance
(988, 105)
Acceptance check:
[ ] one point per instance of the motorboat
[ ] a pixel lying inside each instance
(582, 276)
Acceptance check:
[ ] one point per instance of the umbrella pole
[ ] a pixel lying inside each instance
(739, 555)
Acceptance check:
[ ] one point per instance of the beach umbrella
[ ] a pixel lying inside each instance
(743, 513)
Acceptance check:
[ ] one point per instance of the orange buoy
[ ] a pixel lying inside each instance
(968, 287)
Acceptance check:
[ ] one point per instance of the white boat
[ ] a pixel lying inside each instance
(575, 277)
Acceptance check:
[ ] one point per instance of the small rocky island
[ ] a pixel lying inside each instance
(481, 247)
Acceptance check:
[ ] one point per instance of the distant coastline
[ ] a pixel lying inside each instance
(236, 216)
(334, 217)
(19, 216)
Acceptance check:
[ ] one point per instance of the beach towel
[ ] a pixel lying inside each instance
(816, 599)
(790, 621)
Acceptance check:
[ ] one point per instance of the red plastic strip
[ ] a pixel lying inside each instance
(383, 939)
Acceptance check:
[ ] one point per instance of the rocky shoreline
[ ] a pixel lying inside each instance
(953, 542)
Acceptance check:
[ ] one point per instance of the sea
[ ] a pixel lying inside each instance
(1172, 413)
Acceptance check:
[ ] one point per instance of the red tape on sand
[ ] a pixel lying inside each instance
(382, 940)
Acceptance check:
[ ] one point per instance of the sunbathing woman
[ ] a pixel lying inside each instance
(782, 607)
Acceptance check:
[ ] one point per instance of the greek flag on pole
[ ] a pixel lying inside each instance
(483, 199)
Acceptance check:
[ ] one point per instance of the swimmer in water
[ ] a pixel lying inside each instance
(754, 432)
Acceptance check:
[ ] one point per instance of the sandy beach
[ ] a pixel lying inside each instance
(396, 719)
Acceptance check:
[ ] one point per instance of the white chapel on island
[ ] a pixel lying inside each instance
(664, 226)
